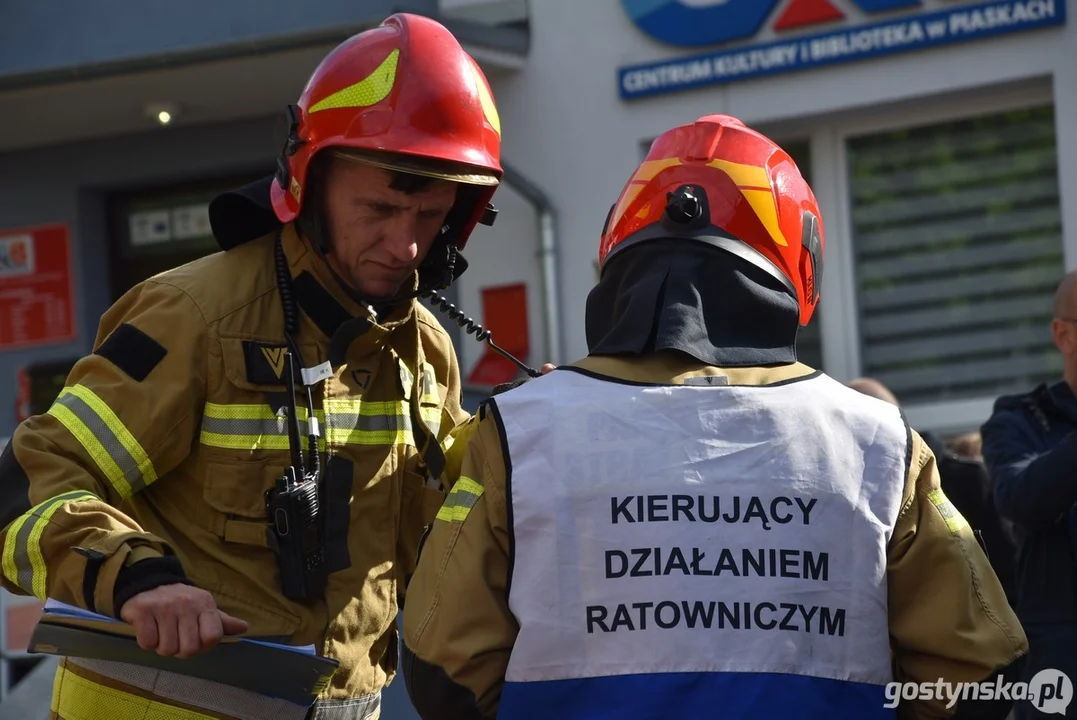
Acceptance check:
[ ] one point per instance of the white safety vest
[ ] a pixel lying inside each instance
(699, 551)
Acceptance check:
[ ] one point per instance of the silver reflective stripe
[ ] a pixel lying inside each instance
(26, 556)
(104, 435)
(368, 423)
(24, 574)
(253, 427)
(464, 495)
(204, 694)
(278, 426)
(432, 421)
(360, 708)
(262, 427)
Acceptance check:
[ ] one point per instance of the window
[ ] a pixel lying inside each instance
(957, 238)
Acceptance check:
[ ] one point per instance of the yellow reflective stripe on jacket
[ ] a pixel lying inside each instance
(238, 411)
(351, 421)
(463, 496)
(430, 400)
(955, 521)
(429, 406)
(432, 419)
(345, 421)
(77, 698)
(113, 448)
(23, 561)
(249, 427)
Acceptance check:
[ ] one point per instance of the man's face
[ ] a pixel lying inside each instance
(378, 236)
(1065, 332)
(1064, 326)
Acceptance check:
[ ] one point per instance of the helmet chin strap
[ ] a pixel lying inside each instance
(435, 273)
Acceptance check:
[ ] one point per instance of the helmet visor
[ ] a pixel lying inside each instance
(426, 167)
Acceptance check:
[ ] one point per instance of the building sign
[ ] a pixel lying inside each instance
(706, 22)
(152, 227)
(36, 292)
(691, 23)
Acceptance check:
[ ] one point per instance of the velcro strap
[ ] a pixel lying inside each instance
(246, 533)
(141, 552)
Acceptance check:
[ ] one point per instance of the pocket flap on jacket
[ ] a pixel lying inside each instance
(259, 364)
(239, 488)
(254, 364)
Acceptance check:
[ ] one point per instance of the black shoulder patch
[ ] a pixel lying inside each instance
(265, 362)
(132, 351)
(15, 499)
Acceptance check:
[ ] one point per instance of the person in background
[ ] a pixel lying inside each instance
(873, 388)
(970, 445)
(1030, 448)
(966, 483)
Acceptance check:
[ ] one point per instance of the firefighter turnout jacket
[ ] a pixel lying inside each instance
(653, 537)
(152, 467)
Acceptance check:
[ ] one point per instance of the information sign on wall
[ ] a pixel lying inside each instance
(36, 293)
(693, 23)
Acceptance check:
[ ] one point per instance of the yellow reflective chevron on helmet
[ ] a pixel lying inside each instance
(755, 185)
(371, 90)
(489, 108)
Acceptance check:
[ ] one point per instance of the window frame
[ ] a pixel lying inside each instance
(841, 329)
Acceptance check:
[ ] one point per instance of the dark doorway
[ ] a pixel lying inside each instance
(154, 229)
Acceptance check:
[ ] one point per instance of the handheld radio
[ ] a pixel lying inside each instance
(293, 506)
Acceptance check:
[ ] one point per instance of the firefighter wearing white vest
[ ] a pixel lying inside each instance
(689, 523)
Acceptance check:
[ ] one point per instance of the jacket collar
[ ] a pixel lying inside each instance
(327, 310)
(676, 368)
(1062, 399)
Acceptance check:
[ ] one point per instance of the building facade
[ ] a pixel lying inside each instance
(940, 137)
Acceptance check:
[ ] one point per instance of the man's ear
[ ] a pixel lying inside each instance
(1063, 333)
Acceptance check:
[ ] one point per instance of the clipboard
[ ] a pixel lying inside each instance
(294, 674)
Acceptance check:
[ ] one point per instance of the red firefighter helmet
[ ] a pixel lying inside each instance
(402, 96)
(719, 182)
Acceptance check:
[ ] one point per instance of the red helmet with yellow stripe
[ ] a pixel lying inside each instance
(719, 182)
(403, 96)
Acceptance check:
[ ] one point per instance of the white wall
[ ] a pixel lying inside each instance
(485, 11)
(566, 126)
(504, 254)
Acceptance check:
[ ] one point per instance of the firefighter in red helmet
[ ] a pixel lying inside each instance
(689, 523)
(146, 492)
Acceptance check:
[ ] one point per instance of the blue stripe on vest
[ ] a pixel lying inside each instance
(694, 695)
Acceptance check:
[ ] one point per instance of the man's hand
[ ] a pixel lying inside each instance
(547, 367)
(178, 620)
